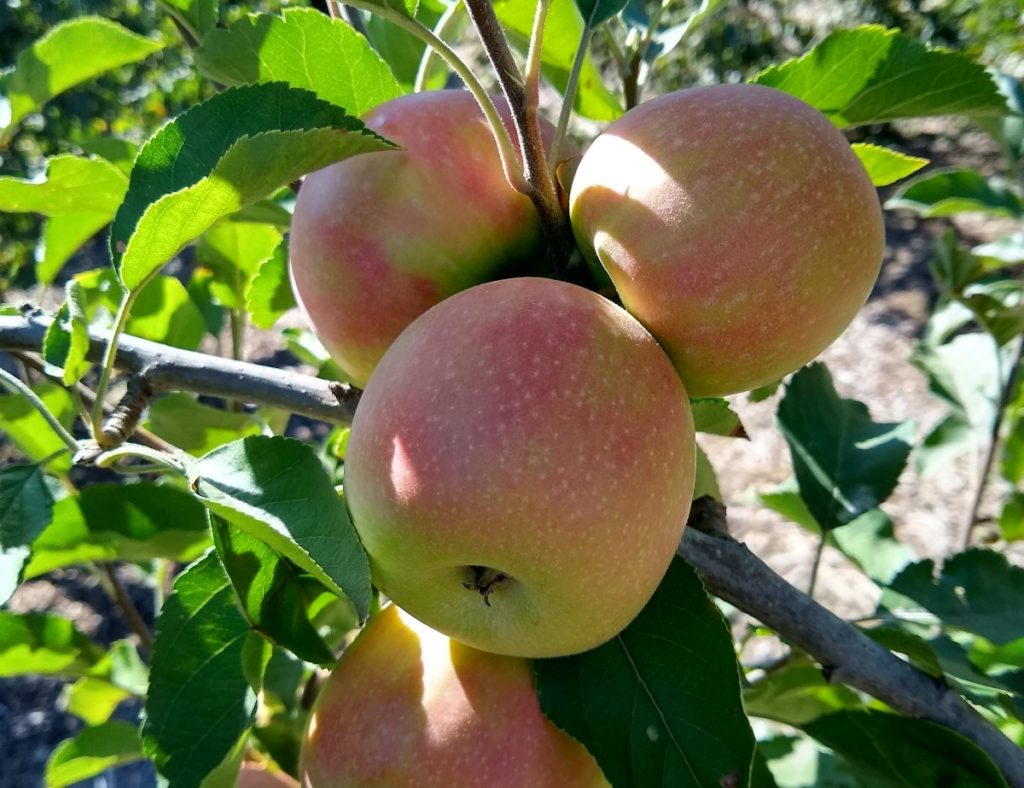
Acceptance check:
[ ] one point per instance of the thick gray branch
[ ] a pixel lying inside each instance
(735, 574)
(727, 567)
(170, 369)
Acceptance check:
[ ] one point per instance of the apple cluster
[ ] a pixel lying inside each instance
(522, 461)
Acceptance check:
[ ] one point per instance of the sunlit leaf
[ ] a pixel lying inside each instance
(92, 752)
(884, 165)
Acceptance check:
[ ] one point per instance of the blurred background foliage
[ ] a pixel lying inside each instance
(739, 40)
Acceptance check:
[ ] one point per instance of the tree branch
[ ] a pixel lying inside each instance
(165, 368)
(525, 118)
(728, 568)
(735, 574)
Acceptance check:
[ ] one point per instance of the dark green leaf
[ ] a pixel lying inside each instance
(885, 750)
(870, 75)
(306, 49)
(195, 427)
(949, 192)
(42, 643)
(117, 150)
(198, 16)
(797, 694)
(977, 591)
(199, 701)
(659, 704)
(92, 752)
(270, 291)
(845, 463)
(761, 393)
(271, 593)
(914, 647)
(112, 522)
(228, 152)
(71, 53)
(277, 490)
(886, 166)
(713, 415)
(597, 11)
(26, 507)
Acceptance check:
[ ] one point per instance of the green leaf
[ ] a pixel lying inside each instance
(271, 592)
(26, 507)
(94, 700)
(199, 701)
(66, 341)
(269, 294)
(886, 166)
(118, 675)
(80, 197)
(659, 704)
(198, 16)
(276, 490)
(797, 694)
(1007, 130)
(113, 522)
(845, 463)
(304, 48)
(872, 75)
(30, 432)
(92, 752)
(597, 11)
(885, 750)
(117, 150)
(71, 53)
(230, 151)
(562, 36)
(195, 427)
(44, 644)
(403, 51)
(715, 416)
(915, 648)
(233, 251)
(705, 481)
(949, 439)
(953, 191)
(869, 540)
(977, 591)
(1011, 518)
(799, 762)
(1008, 250)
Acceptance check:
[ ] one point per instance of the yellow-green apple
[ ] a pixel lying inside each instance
(520, 468)
(378, 239)
(737, 225)
(408, 708)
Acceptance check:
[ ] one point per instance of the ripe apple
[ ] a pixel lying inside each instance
(379, 238)
(520, 468)
(253, 775)
(406, 706)
(737, 225)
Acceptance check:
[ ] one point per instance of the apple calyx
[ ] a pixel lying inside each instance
(485, 580)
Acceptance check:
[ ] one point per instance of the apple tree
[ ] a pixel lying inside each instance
(527, 268)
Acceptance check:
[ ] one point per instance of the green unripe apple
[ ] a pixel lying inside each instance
(408, 708)
(737, 225)
(379, 238)
(520, 468)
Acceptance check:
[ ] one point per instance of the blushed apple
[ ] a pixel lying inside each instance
(736, 224)
(379, 238)
(407, 707)
(520, 468)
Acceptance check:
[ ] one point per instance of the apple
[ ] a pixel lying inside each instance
(520, 468)
(379, 238)
(406, 706)
(736, 224)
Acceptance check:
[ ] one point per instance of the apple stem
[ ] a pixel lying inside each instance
(523, 105)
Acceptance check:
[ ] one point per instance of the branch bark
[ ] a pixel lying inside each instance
(165, 368)
(728, 568)
(848, 656)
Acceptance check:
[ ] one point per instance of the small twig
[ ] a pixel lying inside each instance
(817, 563)
(131, 613)
(993, 442)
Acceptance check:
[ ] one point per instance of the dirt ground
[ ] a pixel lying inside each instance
(870, 362)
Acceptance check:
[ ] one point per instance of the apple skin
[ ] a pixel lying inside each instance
(737, 225)
(379, 238)
(530, 432)
(406, 706)
(252, 775)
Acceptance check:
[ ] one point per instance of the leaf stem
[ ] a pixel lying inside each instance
(15, 386)
(817, 564)
(509, 165)
(568, 100)
(440, 29)
(107, 365)
(157, 459)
